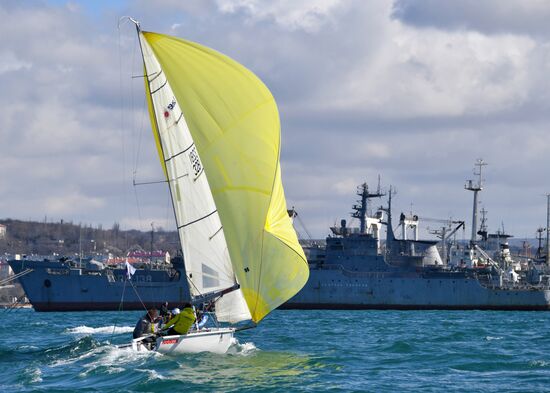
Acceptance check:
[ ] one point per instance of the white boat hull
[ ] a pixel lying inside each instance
(216, 340)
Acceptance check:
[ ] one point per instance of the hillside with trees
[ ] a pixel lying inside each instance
(67, 238)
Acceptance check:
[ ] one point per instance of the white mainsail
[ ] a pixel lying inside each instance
(203, 242)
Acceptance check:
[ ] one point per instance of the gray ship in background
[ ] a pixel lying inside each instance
(88, 285)
(356, 270)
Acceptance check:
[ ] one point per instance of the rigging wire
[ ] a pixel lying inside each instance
(120, 307)
(137, 294)
(122, 136)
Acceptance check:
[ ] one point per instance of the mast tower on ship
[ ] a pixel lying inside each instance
(360, 210)
(476, 188)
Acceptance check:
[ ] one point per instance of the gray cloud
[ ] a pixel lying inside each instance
(413, 91)
(489, 16)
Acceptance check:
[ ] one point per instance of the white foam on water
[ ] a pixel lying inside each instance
(64, 362)
(153, 374)
(114, 358)
(36, 375)
(100, 330)
(491, 338)
(538, 363)
(27, 347)
(237, 348)
(115, 370)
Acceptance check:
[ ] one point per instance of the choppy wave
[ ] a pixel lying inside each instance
(35, 376)
(112, 360)
(152, 374)
(539, 363)
(72, 351)
(100, 330)
(237, 348)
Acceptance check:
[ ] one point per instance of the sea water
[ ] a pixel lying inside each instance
(290, 351)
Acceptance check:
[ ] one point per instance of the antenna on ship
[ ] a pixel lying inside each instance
(476, 188)
(360, 210)
(483, 232)
(548, 229)
(540, 230)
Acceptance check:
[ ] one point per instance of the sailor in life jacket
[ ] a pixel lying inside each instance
(146, 324)
(202, 319)
(181, 321)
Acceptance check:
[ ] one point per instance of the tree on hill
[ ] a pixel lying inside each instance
(66, 238)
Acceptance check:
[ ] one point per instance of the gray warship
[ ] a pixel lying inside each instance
(67, 285)
(356, 270)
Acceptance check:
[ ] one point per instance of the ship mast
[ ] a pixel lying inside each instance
(360, 210)
(475, 187)
(540, 230)
(483, 227)
(548, 229)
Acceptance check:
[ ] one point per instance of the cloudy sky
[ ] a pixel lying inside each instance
(412, 90)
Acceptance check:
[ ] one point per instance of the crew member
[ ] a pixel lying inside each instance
(181, 321)
(146, 324)
(164, 313)
(202, 318)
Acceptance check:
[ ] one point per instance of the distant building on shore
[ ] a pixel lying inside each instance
(2, 231)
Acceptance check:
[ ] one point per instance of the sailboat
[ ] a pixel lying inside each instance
(217, 133)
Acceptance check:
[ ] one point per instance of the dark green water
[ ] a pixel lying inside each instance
(290, 351)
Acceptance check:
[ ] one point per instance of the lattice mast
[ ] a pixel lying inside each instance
(476, 188)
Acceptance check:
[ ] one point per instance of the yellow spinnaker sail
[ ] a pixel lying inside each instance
(234, 122)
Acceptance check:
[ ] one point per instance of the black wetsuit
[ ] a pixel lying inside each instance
(164, 313)
(143, 327)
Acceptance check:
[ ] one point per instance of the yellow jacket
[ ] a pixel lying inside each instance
(183, 321)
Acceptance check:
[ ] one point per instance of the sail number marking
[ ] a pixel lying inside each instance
(170, 341)
(195, 161)
(170, 108)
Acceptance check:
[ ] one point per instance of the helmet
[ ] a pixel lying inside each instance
(176, 311)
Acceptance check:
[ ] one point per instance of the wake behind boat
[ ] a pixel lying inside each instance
(217, 132)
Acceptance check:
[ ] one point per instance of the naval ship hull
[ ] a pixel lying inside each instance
(343, 289)
(53, 286)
